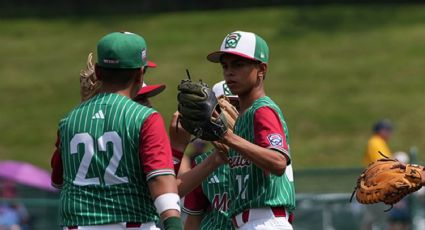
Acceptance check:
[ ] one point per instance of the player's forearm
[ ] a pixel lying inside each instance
(169, 213)
(185, 166)
(189, 180)
(161, 185)
(266, 159)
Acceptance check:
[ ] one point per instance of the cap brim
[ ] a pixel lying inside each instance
(151, 64)
(216, 56)
(150, 90)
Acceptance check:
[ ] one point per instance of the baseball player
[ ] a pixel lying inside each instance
(207, 205)
(261, 179)
(113, 159)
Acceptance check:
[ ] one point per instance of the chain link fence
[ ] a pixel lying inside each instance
(322, 204)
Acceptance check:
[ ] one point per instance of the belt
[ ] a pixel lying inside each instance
(260, 213)
(127, 225)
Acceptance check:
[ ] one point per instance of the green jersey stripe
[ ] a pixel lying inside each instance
(192, 212)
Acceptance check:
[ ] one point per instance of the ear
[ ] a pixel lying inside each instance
(262, 70)
(139, 77)
(97, 72)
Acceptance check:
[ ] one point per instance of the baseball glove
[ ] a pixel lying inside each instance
(388, 181)
(200, 114)
(89, 84)
(231, 114)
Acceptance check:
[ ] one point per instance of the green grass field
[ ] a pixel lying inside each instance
(334, 70)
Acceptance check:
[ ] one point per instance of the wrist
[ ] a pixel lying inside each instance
(173, 223)
(226, 137)
(212, 160)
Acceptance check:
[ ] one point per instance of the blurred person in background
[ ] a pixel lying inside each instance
(13, 215)
(399, 217)
(382, 131)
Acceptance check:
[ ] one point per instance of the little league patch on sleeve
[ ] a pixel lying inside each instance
(275, 140)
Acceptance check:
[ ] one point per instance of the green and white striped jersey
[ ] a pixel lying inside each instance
(103, 178)
(253, 187)
(212, 200)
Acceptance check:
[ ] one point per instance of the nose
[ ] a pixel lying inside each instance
(228, 72)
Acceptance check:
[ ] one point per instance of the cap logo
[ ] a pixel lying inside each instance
(232, 40)
(109, 61)
(144, 55)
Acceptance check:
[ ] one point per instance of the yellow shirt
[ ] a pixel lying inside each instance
(375, 144)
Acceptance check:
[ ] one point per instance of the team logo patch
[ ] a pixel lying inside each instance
(275, 140)
(144, 55)
(110, 61)
(232, 40)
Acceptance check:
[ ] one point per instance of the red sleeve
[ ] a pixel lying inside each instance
(195, 203)
(57, 168)
(154, 149)
(177, 159)
(269, 132)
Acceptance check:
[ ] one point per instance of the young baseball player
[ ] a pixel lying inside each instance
(113, 159)
(261, 180)
(207, 205)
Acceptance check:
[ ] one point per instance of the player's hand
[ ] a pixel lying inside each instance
(220, 157)
(179, 137)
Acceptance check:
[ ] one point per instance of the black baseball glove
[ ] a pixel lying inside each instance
(200, 113)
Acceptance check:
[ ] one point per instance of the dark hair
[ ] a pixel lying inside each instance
(121, 77)
(384, 124)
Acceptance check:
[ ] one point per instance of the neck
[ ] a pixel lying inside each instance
(245, 101)
(113, 89)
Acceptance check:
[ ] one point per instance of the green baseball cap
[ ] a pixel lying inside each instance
(122, 50)
(245, 44)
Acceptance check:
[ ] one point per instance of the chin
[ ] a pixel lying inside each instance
(234, 90)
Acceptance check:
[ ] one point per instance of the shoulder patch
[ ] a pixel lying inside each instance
(275, 140)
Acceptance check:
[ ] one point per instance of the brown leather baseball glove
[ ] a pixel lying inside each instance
(231, 114)
(89, 84)
(388, 181)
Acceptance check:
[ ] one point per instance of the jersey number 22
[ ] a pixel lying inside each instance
(86, 139)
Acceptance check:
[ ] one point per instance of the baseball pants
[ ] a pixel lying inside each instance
(275, 223)
(263, 219)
